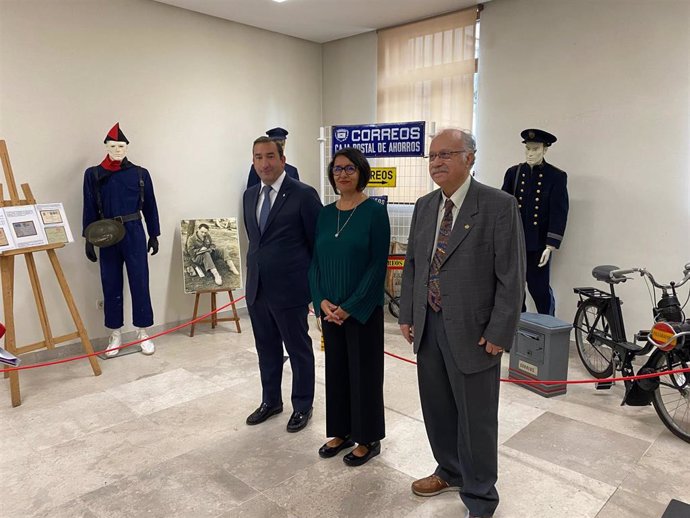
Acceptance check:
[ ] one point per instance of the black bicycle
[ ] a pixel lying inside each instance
(396, 262)
(604, 349)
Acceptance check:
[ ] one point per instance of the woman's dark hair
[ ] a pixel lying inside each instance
(358, 160)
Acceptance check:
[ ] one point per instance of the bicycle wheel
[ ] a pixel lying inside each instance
(671, 399)
(596, 356)
(394, 306)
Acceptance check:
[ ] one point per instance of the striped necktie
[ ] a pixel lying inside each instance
(434, 296)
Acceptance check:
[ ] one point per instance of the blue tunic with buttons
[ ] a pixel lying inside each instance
(542, 195)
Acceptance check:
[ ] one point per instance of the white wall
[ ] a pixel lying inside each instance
(191, 93)
(349, 80)
(610, 80)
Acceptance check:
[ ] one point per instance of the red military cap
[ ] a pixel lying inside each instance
(116, 134)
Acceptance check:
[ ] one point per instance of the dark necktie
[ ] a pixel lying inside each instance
(434, 296)
(265, 208)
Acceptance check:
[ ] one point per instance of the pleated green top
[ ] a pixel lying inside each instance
(350, 270)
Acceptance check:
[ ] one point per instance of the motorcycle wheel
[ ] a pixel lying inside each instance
(671, 399)
(596, 356)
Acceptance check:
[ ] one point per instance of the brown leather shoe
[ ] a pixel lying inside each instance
(431, 486)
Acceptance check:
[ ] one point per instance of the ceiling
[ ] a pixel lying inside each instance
(322, 20)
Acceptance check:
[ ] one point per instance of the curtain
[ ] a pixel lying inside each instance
(426, 71)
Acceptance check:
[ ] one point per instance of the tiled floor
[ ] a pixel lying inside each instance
(164, 436)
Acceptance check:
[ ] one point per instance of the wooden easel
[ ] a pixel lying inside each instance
(7, 274)
(214, 319)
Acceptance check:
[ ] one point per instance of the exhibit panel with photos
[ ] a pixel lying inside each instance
(55, 224)
(33, 225)
(210, 255)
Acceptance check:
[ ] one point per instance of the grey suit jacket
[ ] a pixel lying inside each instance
(482, 276)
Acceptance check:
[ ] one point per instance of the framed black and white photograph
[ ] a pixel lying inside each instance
(210, 255)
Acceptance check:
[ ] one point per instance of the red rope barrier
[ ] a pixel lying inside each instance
(570, 382)
(400, 358)
(130, 344)
(202, 317)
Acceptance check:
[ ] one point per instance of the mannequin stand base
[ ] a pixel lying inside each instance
(122, 352)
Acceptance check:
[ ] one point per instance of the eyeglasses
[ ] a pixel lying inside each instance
(349, 170)
(443, 155)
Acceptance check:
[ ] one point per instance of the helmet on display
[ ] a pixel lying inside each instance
(104, 232)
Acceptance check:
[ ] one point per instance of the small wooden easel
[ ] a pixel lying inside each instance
(214, 318)
(7, 273)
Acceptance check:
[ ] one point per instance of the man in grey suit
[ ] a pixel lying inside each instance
(462, 289)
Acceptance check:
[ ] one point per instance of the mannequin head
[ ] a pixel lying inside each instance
(536, 143)
(116, 143)
(116, 150)
(534, 153)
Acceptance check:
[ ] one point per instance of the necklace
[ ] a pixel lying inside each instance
(339, 228)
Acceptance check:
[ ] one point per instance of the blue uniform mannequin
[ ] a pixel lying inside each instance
(125, 191)
(542, 194)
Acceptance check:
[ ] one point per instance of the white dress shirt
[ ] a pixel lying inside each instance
(458, 197)
(272, 193)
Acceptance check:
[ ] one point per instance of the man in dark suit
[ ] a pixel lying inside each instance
(280, 136)
(462, 287)
(542, 193)
(280, 218)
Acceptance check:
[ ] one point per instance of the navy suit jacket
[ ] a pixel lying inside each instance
(253, 178)
(278, 260)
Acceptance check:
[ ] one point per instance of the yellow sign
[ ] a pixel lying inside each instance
(383, 176)
(396, 261)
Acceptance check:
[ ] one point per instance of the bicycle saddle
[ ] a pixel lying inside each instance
(603, 273)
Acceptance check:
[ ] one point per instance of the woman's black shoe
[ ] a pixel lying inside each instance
(327, 451)
(373, 449)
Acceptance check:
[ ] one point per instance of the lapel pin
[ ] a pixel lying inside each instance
(466, 227)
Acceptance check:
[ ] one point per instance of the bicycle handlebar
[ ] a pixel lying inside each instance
(617, 274)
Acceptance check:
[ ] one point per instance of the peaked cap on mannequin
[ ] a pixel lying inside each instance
(537, 135)
(277, 134)
(116, 134)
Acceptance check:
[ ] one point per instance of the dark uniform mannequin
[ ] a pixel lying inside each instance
(125, 191)
(542, 194)
(279, 135)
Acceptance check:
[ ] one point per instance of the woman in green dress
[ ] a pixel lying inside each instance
(347, 277)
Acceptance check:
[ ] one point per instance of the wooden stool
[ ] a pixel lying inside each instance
(214, 319)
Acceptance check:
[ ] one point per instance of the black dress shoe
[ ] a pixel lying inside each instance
(373, 449)
(327, 451)
(298, 420)
(262, 413)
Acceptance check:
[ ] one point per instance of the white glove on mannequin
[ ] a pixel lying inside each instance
(546, 255)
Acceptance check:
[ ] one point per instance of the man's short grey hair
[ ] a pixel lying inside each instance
(465, 137)
(468, 141)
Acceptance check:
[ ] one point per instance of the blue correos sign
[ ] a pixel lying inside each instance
(395, 139)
